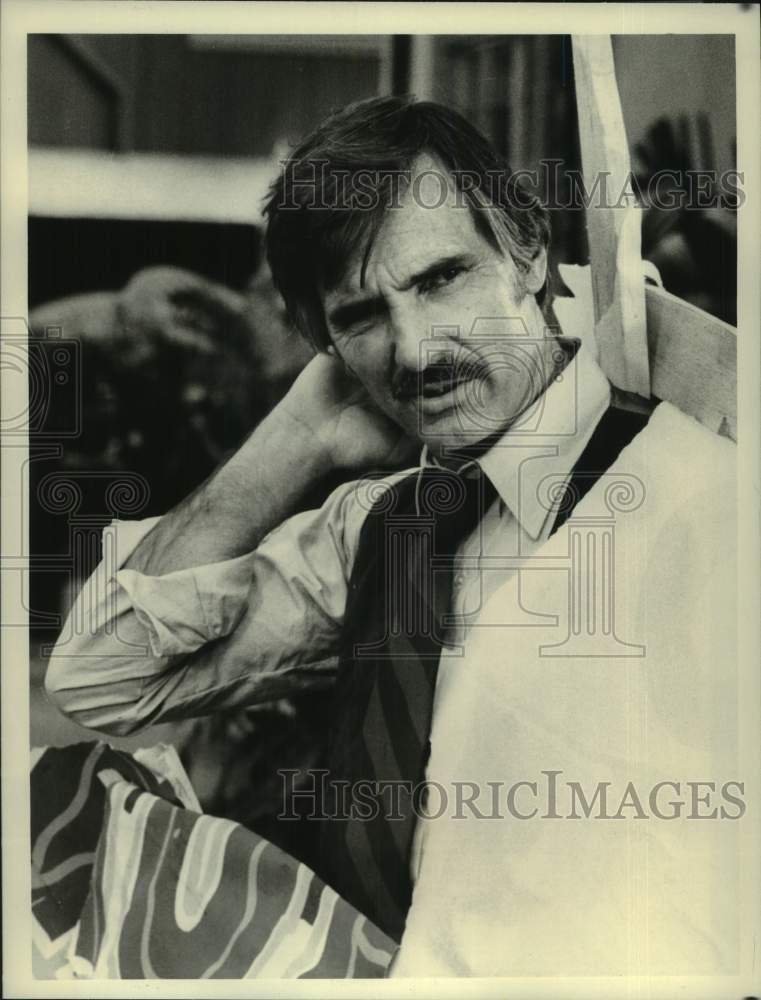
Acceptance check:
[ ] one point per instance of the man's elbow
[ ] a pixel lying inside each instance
(92, 705)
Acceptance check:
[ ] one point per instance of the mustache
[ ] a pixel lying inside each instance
(440, 374)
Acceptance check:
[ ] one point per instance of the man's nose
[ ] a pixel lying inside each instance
(411, 339)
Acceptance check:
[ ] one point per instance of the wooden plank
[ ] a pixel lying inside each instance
(693, 361)
(613, 224)
(693, 355)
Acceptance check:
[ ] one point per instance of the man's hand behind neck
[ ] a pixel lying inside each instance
(325, 423)
(349, 431)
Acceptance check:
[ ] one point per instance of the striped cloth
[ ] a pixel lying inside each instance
(130, 884)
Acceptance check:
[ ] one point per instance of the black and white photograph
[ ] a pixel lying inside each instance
(381, 553)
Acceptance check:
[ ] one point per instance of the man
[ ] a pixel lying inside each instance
(406, 252)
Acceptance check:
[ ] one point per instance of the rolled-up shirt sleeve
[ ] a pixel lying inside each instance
(138, 649)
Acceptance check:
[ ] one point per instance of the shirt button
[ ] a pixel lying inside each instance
(459, 580)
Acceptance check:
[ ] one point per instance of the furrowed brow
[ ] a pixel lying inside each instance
(437, 266)
(343, 316)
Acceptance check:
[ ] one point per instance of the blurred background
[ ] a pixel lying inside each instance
(157, 325)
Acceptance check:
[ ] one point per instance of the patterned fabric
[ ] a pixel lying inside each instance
(130, 884)
(178, 895)
(399, 595)
(67, 808)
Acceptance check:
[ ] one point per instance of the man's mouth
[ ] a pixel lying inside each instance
(443, 394)
(440, 388)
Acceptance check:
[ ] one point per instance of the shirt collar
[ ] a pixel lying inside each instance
(547, 440)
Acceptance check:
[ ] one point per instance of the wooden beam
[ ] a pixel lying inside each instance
(613, 224)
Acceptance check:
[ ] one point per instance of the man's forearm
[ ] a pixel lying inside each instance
(228, 515)
(139, 657)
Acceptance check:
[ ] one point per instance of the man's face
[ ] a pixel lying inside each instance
(443, 335)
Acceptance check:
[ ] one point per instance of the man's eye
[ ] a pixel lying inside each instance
(358, 328)
(442, 278)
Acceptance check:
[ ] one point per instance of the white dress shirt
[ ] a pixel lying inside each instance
(138, 650)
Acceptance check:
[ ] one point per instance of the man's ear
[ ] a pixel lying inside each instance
(535, 274)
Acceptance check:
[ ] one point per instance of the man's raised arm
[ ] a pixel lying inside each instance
(254, 491)
(208, 607)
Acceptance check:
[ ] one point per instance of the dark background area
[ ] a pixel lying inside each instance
(182, 345)
(70, 256)
(189, 94)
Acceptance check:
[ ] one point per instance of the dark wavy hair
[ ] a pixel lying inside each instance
(330, 199)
